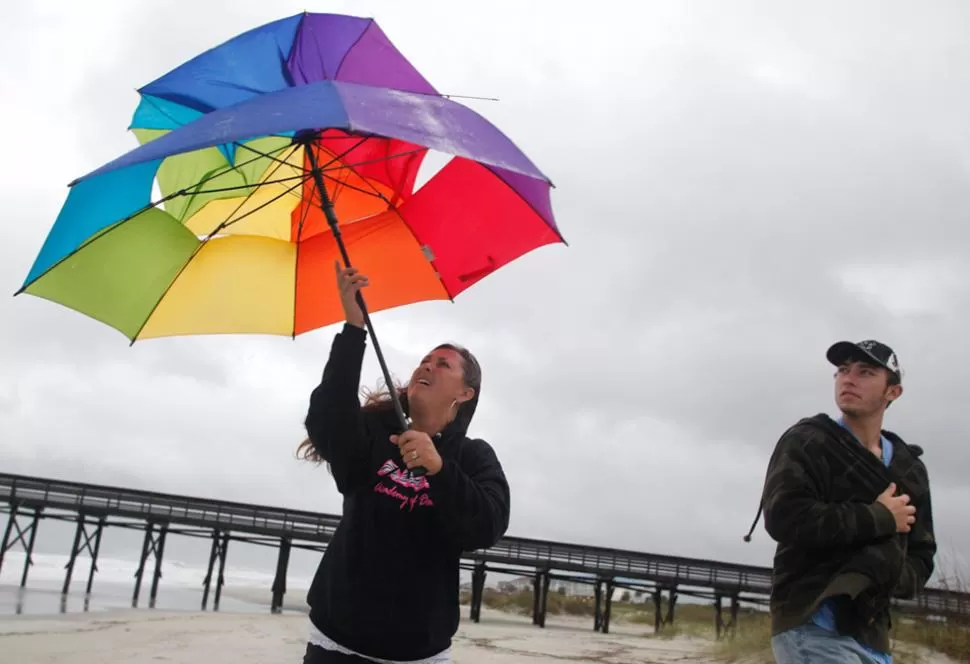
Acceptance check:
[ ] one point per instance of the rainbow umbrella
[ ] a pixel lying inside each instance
(275, 153)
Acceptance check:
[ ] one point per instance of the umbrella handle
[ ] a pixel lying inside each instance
(327, 206)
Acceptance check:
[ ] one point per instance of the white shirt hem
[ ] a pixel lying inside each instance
(321, 640)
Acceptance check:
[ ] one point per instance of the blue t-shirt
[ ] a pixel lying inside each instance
(824, 617)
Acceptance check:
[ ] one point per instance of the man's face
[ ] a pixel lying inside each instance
(863, 389)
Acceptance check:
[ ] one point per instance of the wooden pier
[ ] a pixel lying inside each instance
(93, 508)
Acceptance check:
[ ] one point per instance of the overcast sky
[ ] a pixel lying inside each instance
(741, 184)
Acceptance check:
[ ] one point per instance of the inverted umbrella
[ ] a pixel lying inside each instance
(263, 184)
(292, 51)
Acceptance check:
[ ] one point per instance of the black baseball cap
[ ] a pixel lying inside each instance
(866, 351)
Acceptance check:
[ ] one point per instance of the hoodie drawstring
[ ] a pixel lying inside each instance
(754, 524)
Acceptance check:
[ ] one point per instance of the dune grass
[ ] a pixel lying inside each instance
(750, 641)
(951, 638)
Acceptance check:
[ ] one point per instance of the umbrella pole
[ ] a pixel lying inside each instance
(327, 206)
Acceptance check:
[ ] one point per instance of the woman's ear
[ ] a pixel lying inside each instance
(465, 395)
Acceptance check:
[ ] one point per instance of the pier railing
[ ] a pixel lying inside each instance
(530, 556)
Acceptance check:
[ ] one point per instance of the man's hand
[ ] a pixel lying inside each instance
(902, 511)
(418, 450)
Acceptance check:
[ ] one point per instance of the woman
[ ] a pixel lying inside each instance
(387, 587)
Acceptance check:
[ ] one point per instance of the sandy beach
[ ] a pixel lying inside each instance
(196, 638)
(130, 637)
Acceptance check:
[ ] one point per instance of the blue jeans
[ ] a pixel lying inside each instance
(810, 644)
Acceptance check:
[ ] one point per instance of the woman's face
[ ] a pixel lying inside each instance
(439, 381)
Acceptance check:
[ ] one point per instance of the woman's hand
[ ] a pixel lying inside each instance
(349, 283)
(418, 450)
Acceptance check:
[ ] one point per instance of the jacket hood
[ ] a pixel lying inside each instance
(456, 428)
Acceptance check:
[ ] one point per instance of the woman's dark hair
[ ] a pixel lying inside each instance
(380, 400)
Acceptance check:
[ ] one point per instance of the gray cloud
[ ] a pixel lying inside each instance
(739, 189)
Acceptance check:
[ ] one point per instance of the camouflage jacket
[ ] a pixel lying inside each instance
(833, 539)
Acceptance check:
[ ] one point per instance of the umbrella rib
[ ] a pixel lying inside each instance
(336, 159)
(374, 193)
(230, 222)
(212, 234)
(269, 155)
(145, 208)
(276, 167)
(283, 162)
(374, 161)
(400, 216)
(247, 186)
(260, 155)
(194, 191)
(344, 153)
(352, 167)
(256, 209)
(296, 262)
(212, 176)
(196, 252)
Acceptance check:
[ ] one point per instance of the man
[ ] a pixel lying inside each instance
(849, 505)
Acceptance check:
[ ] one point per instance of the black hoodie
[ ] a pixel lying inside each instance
(387, 586)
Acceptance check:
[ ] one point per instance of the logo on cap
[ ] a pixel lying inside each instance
(892, 363)
(874, 350)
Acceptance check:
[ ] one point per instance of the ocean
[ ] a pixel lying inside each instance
(249, 573)
(180, 587)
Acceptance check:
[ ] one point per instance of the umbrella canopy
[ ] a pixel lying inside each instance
(292, 51)
(248, 144)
